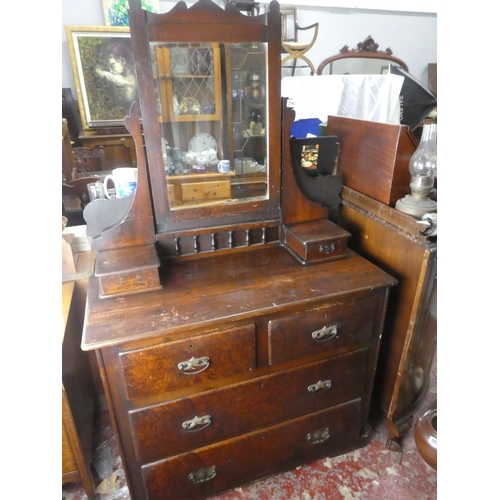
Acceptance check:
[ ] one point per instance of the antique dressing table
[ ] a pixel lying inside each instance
(236, 337)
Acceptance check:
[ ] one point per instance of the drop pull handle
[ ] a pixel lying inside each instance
(319, 436)
(203, 475)
(194, 365)
(197, 423)
(326, 333)
(320, 386)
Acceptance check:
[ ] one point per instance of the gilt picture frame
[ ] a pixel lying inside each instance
(104, 74)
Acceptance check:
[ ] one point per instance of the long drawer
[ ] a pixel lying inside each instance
(182, 425)
(184, 363)
(214, 469)
(321, 331)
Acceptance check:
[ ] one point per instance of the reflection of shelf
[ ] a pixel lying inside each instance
(195, 189)
(249, 185)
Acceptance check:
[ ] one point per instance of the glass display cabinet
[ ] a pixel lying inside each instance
(217, 293)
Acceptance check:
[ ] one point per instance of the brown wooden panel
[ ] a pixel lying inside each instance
(253, 456)
(155, 370)
(68, 461)
(393, 241)
(158, 431)
(373, 157)
(291, 337)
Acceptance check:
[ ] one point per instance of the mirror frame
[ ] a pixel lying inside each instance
(205, 21)
(366, 49)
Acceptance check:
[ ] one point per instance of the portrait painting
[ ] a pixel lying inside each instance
(104, 73)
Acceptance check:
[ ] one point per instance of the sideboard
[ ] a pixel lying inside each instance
(396, 242)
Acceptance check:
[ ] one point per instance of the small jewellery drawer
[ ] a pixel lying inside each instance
(321, 330)
(214, 469)
(182, 425)
(316, 241)
(184, 363)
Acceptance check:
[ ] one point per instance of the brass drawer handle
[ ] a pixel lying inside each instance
(194, 365)
(319, 436)
(203, 475)
(327, 248)
(320, 385)
(197, 423)
(326, 333)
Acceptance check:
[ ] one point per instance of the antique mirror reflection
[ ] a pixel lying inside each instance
(366, 59)
(212, 113)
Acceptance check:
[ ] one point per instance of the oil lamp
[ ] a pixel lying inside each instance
(423, 171)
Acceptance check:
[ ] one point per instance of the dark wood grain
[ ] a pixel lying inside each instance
(253, 401)
(209, 292)
(394, 242)
(374, 157)
(242, 459)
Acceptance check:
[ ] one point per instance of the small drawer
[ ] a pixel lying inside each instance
(126, 282)
(182, 425)
(209, 190)
(316, 241)
(215, 469)
(184, 363)
(321, 331)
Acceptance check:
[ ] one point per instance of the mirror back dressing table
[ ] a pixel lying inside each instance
(225, 356)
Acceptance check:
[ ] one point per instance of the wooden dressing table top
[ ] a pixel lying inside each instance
(206, 293)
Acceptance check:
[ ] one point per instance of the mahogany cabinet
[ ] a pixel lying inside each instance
(194, 371)
(225, 354)
(395, 242)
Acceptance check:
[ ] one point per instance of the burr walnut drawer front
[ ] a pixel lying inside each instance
(321, 331)
(182, 425)
(214, 469)
(183, 363)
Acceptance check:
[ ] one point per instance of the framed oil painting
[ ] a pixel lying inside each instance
(104, 73)
(116, 11)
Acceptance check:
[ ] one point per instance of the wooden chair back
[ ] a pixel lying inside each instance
(296, 49)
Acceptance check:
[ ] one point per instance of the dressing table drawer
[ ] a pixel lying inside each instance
(321, 331)
(184, 363)
(214, 469)
(182, 425)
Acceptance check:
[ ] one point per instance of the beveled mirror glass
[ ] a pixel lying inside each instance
(212, 113)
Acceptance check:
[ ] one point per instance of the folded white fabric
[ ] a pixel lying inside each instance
(313, 96)
(366, 97)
